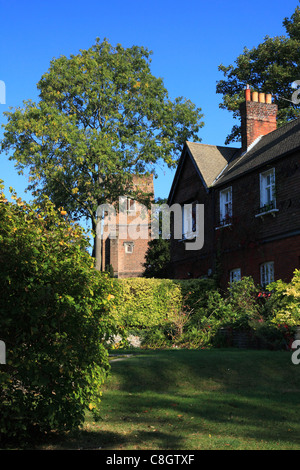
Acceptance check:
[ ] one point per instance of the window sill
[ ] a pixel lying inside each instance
(223, 226)
(187, 238)
(271, 211)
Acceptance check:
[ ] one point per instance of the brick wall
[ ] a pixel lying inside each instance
(193, 264)
(257, 118)
(129, 263)
(250, 240)
(285, 254)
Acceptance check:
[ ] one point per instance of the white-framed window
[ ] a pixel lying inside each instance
(226, 206)
(131, 206)
(267, 273)
(235, 275)
(267, 189)
(128, 247)
(189, 225)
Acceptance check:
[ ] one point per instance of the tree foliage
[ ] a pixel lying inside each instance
(102, 117)
(286, 304)
(158, 255)
(157, 259)
(271, 67)
(53, 321)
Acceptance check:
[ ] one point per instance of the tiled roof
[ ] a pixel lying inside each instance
(276, 144)
(210, 159)
(219, 165)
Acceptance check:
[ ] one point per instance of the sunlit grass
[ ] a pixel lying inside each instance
(205, 399)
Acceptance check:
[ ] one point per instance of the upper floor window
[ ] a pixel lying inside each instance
(131, 206)
(266, 273)
(189, 225)
(267, 189)
(226, 206)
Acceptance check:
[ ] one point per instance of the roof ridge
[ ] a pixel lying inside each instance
(282, 127)
(255, 142)
(263, 150)
(211, 145)
(228, 163)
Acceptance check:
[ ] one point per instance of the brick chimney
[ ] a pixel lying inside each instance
(258, 116)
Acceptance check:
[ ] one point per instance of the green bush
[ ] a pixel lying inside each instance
(239, 309)
(286, 301)
(155, 338)
(145, 303)
(54, 318)
(267, 335)
(194, 313)
(195, 338)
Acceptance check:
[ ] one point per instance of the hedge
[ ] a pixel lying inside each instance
(142, 303)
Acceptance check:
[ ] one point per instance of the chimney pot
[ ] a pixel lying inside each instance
(258, 117)
(248, 94)
(268, 98)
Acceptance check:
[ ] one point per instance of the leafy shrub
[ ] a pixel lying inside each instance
(194, 338)
(194, 313)
(242, 298)
(53, 319)
(286, 301)
(145, 303)
(267, 335)
(155, 338)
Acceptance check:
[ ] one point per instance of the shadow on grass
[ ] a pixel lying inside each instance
(177, 399)
(246, 394)
(106, 440)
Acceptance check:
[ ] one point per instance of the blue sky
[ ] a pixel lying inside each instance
(188, 39)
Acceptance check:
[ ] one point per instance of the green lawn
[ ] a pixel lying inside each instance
(197, 399)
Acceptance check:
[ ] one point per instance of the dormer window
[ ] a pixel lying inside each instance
(226, 206)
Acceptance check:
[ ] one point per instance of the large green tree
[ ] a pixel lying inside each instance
(271, 67)
(102, 116)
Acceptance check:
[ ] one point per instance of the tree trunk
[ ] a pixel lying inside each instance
(97, 249)
(98, 252)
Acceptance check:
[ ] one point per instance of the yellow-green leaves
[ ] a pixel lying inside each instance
(52, 318)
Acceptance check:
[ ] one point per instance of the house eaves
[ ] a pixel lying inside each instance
(277, 144)
(209, 161)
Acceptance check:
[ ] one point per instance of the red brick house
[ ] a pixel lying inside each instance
(251, 198)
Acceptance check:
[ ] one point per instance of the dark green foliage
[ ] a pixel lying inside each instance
(195, 314)
(158, 257)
